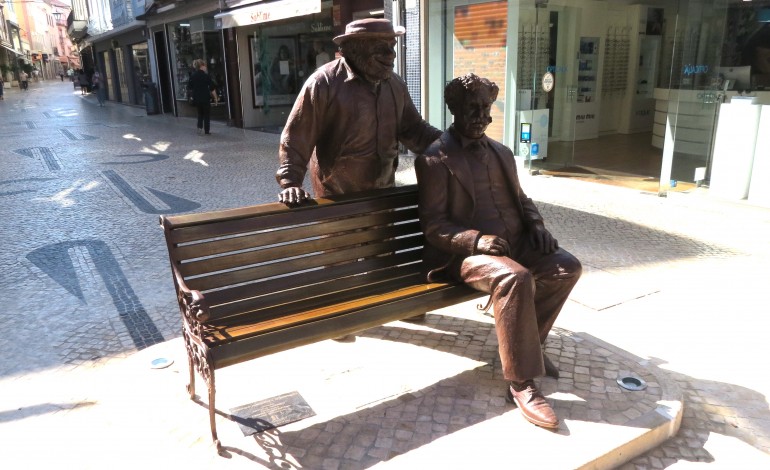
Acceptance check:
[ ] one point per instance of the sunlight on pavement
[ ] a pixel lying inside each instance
(132, 137)
(89, 186)
(149, 150)
(563, 396)
(63, 197)
(724, 449)
(161, 146)
(196, 156)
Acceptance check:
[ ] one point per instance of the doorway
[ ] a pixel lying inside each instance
(164, 72)
(605, 61)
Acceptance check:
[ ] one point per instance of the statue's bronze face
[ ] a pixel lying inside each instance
(475, 114)
(372, 58)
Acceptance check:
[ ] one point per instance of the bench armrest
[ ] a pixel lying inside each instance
(192, 303)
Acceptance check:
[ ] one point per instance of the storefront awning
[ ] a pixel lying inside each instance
(134, 25)
(11, 49)
(266, 12)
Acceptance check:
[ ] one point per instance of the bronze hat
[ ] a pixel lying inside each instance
(369, 28)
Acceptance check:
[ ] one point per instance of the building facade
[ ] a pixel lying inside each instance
(578, 78)
(259, 53)
(119, 47)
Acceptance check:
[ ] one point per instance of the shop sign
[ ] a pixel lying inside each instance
(266, 12)
(695, 69)
(556, 69)
(547, 82)
(320, 27)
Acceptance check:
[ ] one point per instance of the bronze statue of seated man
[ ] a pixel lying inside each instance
(483, 230)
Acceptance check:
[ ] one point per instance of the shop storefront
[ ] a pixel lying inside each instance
(121, 57)
(191, 39)
(279, 44)
(178, 36)
(581, 79)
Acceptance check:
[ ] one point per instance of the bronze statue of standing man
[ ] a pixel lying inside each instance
(483, 230)
(349, 117)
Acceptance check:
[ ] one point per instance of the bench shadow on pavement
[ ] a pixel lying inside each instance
(453, 403)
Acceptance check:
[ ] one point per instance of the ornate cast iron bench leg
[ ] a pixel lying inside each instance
(190, 365)
(199, 360)
(213, 413)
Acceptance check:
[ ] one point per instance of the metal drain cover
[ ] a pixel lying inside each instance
(633, 383)
(161, 363)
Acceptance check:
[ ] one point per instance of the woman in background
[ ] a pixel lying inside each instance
(203, 91)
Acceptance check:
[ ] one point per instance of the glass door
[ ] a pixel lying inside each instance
(555, 98)
(697, 88)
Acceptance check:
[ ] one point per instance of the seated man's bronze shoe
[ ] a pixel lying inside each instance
(532, 404)
(550, 369)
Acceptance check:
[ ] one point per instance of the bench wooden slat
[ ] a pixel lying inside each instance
(402, 193)
(217, 335)
(179, 231)
(277, 253)
(233, 295)
(303, 304)
(301, 334)
(272, 237)
(339, 287)
(299, 264)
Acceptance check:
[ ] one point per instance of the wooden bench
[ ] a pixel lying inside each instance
(262, 279)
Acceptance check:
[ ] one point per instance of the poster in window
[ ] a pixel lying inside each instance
(273, 70)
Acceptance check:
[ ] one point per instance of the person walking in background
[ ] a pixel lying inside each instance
(98, 87)
(24, 80)
(203, 90)
(2, 87)
(83, 82)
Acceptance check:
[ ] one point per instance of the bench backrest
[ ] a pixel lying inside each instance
(272, 260)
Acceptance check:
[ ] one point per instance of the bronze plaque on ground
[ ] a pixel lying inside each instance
(271, 413)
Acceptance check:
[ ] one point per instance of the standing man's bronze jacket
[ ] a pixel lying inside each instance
(346, 131)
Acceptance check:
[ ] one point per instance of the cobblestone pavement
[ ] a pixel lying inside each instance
(676, 281)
